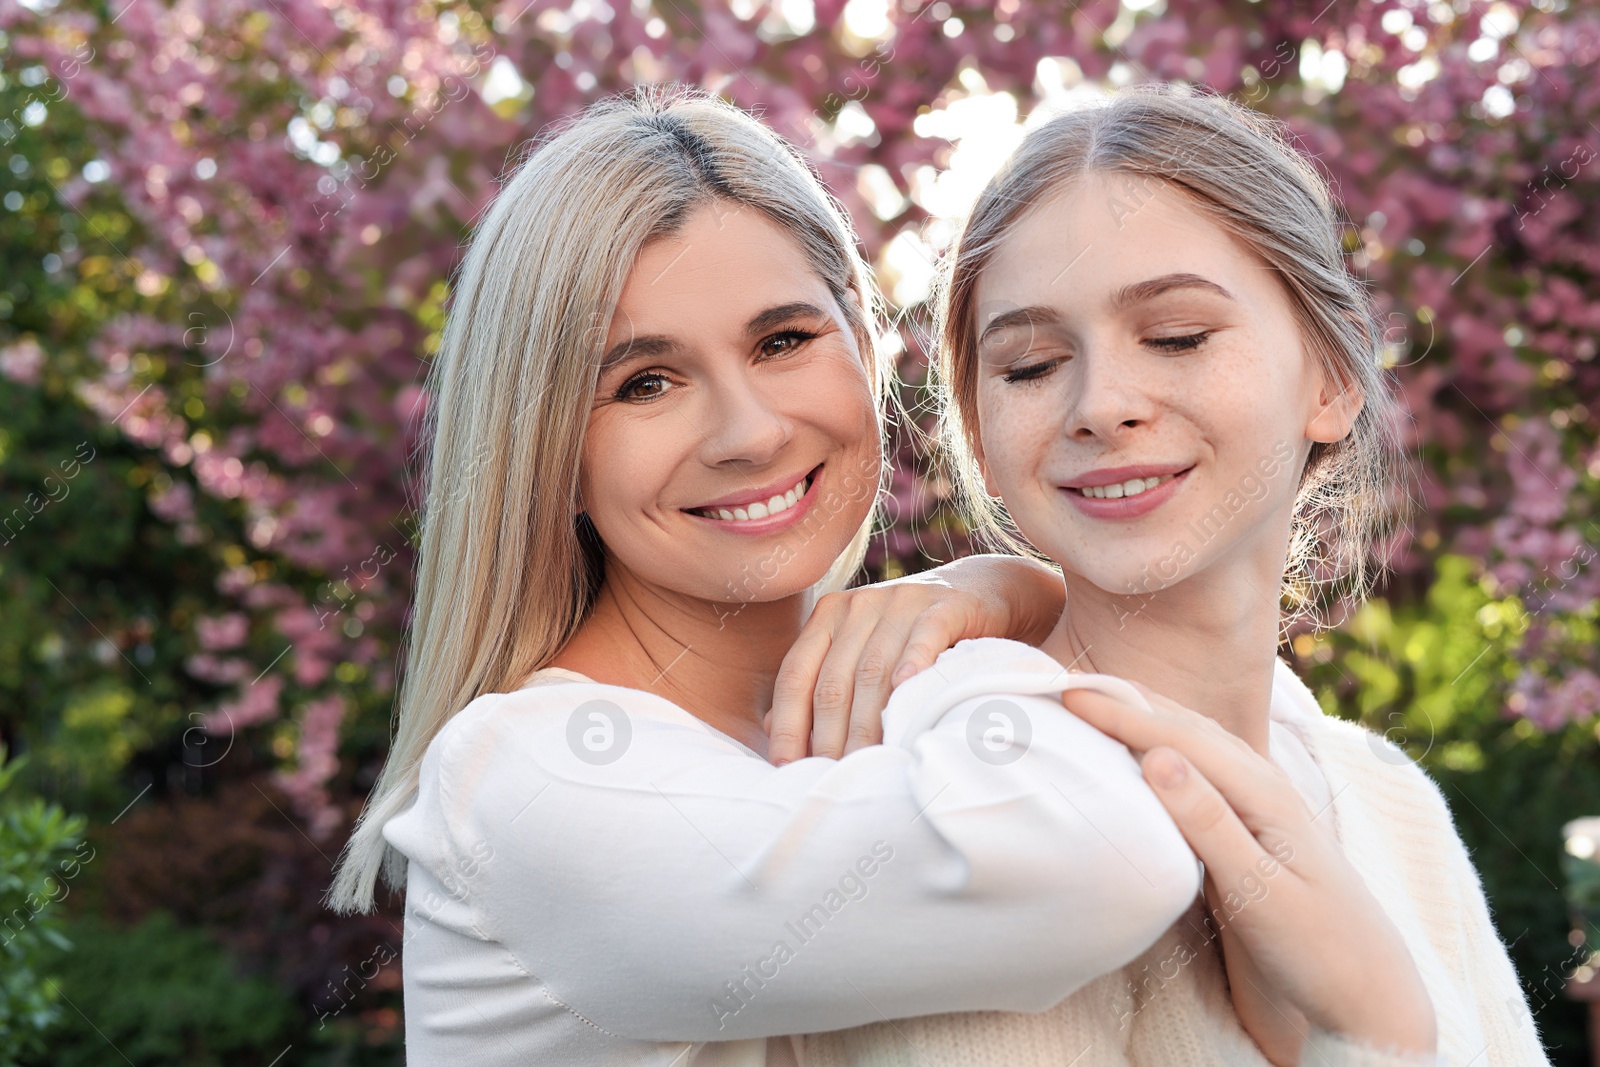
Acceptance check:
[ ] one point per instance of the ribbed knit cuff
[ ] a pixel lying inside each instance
(1324, 1049)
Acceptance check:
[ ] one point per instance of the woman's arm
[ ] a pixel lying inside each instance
(860, 643)
(690, 891)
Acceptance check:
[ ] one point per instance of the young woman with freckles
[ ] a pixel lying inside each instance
(1153, 355)
(656, 445)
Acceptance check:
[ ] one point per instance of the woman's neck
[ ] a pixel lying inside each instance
(1207, 642)
(717, 661)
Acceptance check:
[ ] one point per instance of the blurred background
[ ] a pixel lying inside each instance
(226, 234)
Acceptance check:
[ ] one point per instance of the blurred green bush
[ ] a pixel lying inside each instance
(39, 859)
(161, 994)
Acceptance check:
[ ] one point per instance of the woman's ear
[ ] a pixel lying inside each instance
(1339, 401)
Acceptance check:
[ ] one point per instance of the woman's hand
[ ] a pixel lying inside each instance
(1303, 938)
(861, 643)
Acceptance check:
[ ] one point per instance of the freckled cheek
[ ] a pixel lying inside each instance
(1017, 431)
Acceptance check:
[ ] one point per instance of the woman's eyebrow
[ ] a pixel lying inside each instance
(1033, 315)
(1129, 295)
(636, 348)
(782, 313)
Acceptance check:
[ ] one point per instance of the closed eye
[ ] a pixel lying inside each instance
(1032, 372)
(1186, 343)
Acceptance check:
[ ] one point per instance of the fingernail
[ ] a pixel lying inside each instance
(903, 673)
(1169, 770)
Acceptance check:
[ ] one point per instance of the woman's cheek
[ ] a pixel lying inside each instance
(1005, 430)
(839, 383)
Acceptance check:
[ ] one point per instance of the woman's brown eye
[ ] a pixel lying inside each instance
(781, 343)
(642, 387)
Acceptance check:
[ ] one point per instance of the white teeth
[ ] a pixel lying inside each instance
(1131, 487)
(760, 510)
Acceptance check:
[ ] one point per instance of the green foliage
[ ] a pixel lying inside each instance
(160, 994)
(1436, 677)
(37, 863)
(99, 592)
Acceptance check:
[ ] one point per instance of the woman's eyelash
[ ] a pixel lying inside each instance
(1186, 343)
(1032, 372)
(798, 337)
(628, 389)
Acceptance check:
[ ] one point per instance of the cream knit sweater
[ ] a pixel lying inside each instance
(1171, 1007)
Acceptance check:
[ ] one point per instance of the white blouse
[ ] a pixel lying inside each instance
(598, 877)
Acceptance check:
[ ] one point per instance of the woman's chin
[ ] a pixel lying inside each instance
(759, 579)
(1138, 577)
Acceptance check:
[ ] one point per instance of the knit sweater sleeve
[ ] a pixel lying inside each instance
(1503, 1010)
(1470, 945)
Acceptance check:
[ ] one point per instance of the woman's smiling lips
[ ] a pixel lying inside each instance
(761, 511)
(1125, 492)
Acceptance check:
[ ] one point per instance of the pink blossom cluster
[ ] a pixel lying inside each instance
(305, 172)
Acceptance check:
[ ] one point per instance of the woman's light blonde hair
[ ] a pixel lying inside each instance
(506, 572)
(1240, 168)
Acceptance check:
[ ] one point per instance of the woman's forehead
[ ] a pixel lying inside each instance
(726, 263)
(1099, 237)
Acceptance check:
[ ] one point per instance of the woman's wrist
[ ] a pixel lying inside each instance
(1029, 596)
(1403, 1023)
(1042, 599)
(1324, 1048)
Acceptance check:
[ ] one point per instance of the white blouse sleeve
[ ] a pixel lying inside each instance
(665, 884)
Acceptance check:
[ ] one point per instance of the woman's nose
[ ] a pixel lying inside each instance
(1104, 396)
(745, 423)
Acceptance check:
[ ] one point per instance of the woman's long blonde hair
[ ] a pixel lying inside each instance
(1239, 167)
(506, 572)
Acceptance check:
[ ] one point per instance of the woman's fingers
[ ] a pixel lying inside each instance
(935, 630)
(1249, 783)
(850, 663)
(872, 686)
(789, 722)
(833, 685)
(1223, 842)
(951, 619)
